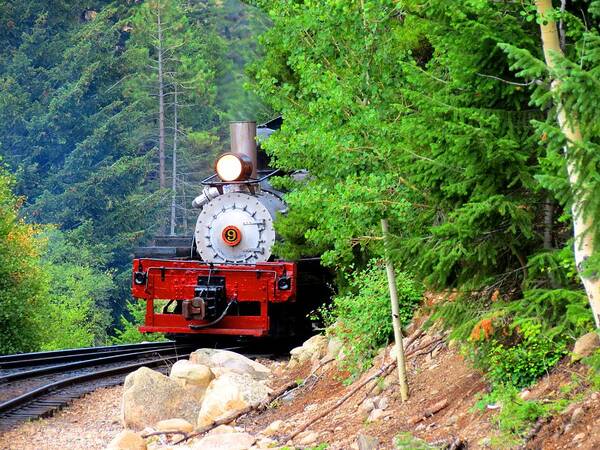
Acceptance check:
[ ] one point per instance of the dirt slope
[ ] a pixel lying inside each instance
(443, 390)
(438, 376)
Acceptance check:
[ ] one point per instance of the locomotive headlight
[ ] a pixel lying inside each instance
(233, 167)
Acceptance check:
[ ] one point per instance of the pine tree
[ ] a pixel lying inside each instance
(571, 88)
(389, 114)
(179, 89)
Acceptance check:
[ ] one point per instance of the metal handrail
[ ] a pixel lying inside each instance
(207, 181)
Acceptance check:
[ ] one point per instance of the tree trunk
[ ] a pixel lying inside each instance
(174, 175)
(161, 104)
(548, 223)
(584, 245)
(184, 202)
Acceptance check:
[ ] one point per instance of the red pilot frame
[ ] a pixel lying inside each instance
(245, 293)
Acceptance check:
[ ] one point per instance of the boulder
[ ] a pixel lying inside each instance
(307, 437)
(314, 348)
(225, 441)
(229, 393)
(334, 347)
(127, 440)
(376, 415)
(585, 346)
(150, 396)
(222, 429)
(174, 425)
(224, 361)
(273, 428)
(194, 377)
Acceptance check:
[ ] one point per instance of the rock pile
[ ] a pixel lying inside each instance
(316, 350)
(198, 391)
(211, 385)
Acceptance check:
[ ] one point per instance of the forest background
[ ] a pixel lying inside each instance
(82, 144)
(439, 116)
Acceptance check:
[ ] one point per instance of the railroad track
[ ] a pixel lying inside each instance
(36, 384)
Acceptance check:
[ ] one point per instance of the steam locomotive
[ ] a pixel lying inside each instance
(225, 280)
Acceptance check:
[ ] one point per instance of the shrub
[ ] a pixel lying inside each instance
(128, 332)
(77, 292)
(515, 416)
(521, 364)
(516, 341)
(21, 276)
(363, 313)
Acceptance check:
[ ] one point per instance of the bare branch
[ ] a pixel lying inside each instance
(514, 83)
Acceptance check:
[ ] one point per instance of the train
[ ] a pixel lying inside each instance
(225, 281)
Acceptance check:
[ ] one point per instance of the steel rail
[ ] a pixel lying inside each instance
(69, 358)
(86, 363)
(41, 401)
(25, 359)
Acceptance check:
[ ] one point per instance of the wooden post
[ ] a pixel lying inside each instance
(391, 276)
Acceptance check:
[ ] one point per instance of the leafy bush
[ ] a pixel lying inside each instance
(128, 332)
(515, 342)
(523, 363)
(363, 313)
(515, 416)
(21, 277)
(77, 292)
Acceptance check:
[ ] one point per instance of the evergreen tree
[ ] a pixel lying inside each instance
(391, 116)
(175, 73)
(77, 126)
(571, 91)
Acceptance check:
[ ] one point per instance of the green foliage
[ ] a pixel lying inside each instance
(21, 276)
(579, 93)
(128, 332)
(363, 317)
(365, 88)
(515, 342)
(78, 292)
(523, 363)
(54, 293)
(335, 107)
(406, 441)
(516, 415)
(593, 362)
